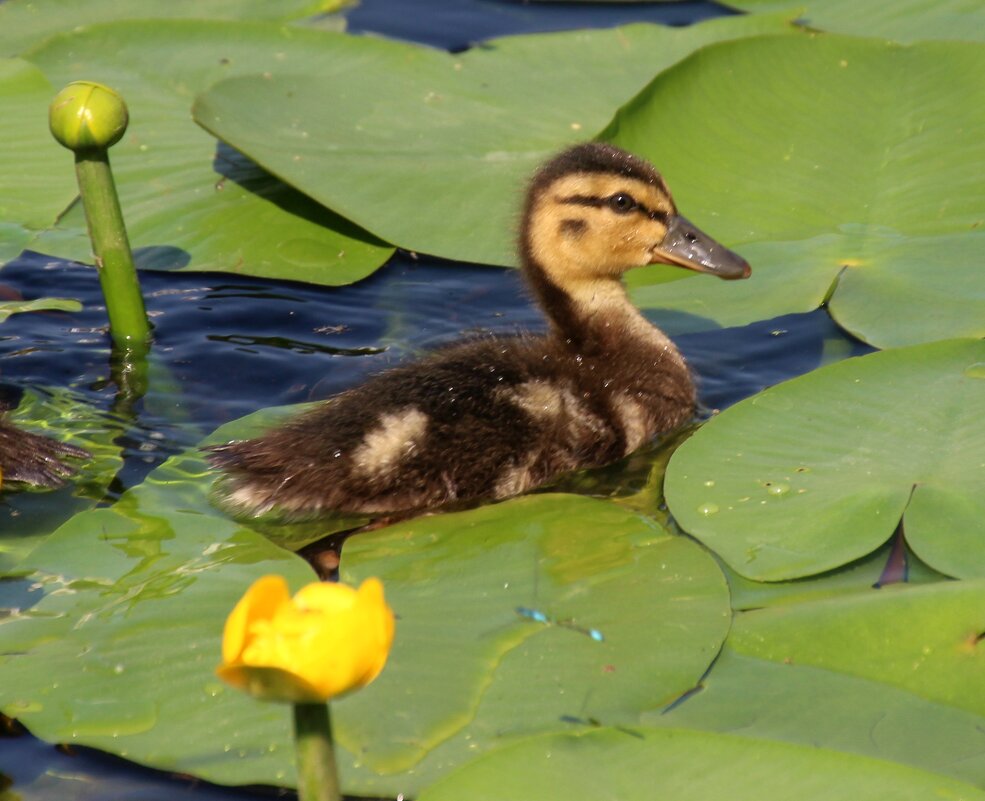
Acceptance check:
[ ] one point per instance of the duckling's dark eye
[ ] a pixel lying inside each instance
(622, 203)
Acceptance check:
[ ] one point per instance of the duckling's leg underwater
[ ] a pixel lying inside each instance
(499, 416)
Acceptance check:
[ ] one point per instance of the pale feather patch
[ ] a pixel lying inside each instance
(258, 500)
(633, 419)
(513, 481)
(540, 399)
(558, 406)
(396, 437)
(247, 497)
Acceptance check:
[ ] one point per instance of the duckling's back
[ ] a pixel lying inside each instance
(488, 419)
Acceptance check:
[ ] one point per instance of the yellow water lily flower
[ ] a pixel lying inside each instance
(329, 639)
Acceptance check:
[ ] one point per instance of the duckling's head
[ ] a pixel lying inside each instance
(595, 211)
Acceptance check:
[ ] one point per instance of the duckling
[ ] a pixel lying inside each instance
(33, 459)
(495, 417)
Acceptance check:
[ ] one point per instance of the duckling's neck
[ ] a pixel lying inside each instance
(594, 317)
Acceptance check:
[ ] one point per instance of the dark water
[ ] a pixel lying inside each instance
(226, 346)
(457, 24)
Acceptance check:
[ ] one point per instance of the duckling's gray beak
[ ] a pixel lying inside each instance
(686, 245)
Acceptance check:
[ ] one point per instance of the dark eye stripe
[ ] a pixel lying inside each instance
(600, 202)
(585, 200)
(660, 216)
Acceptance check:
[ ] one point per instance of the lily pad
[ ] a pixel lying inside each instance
(188, 203)
(656, 604)
(884, 567)
(903, 20)
(35, 186)
(925, 640)
(113, 580)
(817, 707)
(561, 605)
(27, 22)
(818, 471)
(430, 150)
(9, 307)
(854, 177)
(631, 764)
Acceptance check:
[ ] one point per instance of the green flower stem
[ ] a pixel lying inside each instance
(89, 118)
(318, 776)
(128, 324)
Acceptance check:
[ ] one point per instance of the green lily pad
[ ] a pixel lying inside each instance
(818, 471)
(816, 707)
(684, 765)
(27, 22)
(9, 307)
(465, 659)
(902, 20)
(854, 177)
(430, 150)
(924, 640)
(659, 603)
(860, 576)
(35, 186)
(28, 516)
(188, 203)
(113, 580)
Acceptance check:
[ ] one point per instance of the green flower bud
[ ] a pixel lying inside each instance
(87, 115)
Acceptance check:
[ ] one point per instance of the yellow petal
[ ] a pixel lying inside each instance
(379, 624)
(328, 640)
(260, 602)
(327, 597)
(269, 684)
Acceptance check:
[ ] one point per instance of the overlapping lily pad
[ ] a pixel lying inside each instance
(188, 203)
(903, 20)
(9, 307)
(818, 707)
(818, 471)
(27, 22)
(641, 764)
(465, 659)
(835, 165)
(35, 186)
(430, 150)
(892, 564)
(924, 640)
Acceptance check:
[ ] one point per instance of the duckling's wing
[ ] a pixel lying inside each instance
(486, 419)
